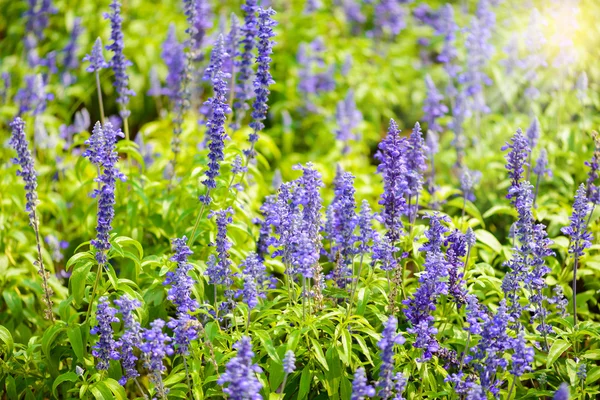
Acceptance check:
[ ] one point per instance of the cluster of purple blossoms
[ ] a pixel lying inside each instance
(392, 167)
(459, 245)
(389, 339)
(119, 63)
(432, 284)
(217, 57)
(516, 160)
(180, 293)
(33, 96)
(201, 21)
(156, 346)
(263, 78)
(577, 230)
(348, 118)
(447, 27)
(24, 160)
(341, 225)
(416, 165)
(593, 192)
(366, 231)
(390, 17)
(219, 270)
(360, 386)
(289, 362)
(131, 338)
(96, 58)
(215, 130)
(294, 217)
(314, 77)
(255, 280)
(56, 247)
(243, 91)
(70, 59)
(106, 347)
(232, 41)
(174, 58)
(468, 180)
(433, 106)
(81, 123)
(383, 253)
(102, 152)
(240, 374)
(541, 167)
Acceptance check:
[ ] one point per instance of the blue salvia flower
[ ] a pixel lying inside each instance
(392, 167)
(174, 57)
(202, 21)
(516, 160)
(37, 16)
(360, 386)
(458, 245)
(447, 27)
(180, 294)
(6, 81)
(383, 252)
(533, 133)
(95, 146)
(433, 108)
(563, 392)
(400, 382)
(389, 339)
(191, 11)
(33, 96)
(308, 196)
(254, 275)
(348, 118)
(232, 48)
(593, 192)
(215, 131)
(56, 247)
(131, 339)
(432, 284)
(106, 157)
(248, 42)
(313, 76)
(577, 229)
(24, 160)
(432, 146)
(304, 252)
(289, 362)
(416, 164)
(311, 6)
(541, 165)
(488, 359)
(468, 180)
(582, 371)
(263, 78)
(156, 346)
(118, 62)
(155, 85)
(240, 374)
(219, 272)
(96, 57)
(354, 14)
(522, 357)
(342, 222)
(70, 60)
(217, 56)
(365, 228)
(106, 347)
(390, 17)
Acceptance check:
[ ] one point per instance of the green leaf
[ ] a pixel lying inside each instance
(305, 381)
(489, 240)
(7, 339)
(556, 350)
(76, 342)
(11, 388)
(48, 340)
(77, 282)
(66, 377)
(318, 352)
(117, 390)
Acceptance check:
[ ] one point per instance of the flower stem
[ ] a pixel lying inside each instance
(99, 90)
(575, 290)
(42, 270)
(355, 286)
(197, 223)
(94, 290)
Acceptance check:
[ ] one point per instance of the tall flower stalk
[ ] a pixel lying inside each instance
(97, 63)
(580, 236)
(24, 160)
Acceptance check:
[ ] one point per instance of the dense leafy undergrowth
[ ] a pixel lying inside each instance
(218, 205)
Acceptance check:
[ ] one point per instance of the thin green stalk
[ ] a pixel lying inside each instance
(304, 299)
(215, 303)
(187, 378)
(137, 383)
(537, 187)
(355, 286)
(512, 386)
(42, 270)
(464, 206)
(99, 90)
(197, 223)
(283, 386)
(94, 290)
(575, 292)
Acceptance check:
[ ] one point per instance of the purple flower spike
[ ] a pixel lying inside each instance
(96, 57)
(119, 63)
(392, 167)
(360, 386)
(389, 339)
(24, 160)
(240, 374)
(156, 347)
(131, 338)
(106, 347)
(433, 106)
(577, 230)
(289, 362)
(174, 57)
(248, 42)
